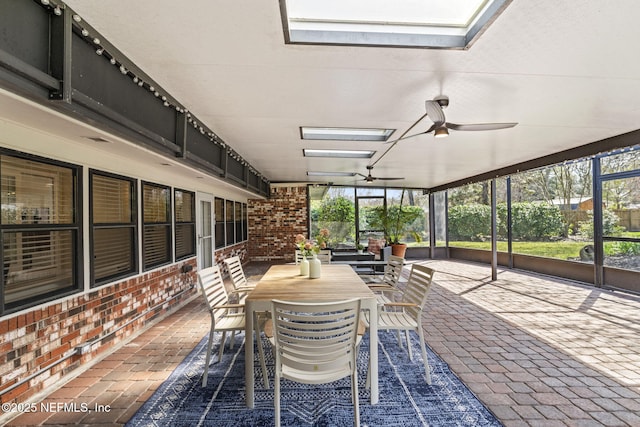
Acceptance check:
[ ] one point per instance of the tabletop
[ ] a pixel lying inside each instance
(285, 282)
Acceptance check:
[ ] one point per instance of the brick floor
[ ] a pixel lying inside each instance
(538, 351)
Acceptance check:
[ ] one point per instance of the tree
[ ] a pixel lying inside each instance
(336, 214)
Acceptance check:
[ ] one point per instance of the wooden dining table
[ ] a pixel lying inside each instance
(284, 282)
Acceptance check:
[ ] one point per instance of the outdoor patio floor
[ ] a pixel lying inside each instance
(536, 350)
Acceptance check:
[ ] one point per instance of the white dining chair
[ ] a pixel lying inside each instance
(298, 256)
(240, 283)
(388, 286)
(225, 317)
(408, 311)
(316, 343)
(324, 255)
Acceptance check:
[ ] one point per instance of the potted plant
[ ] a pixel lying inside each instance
(394, 221)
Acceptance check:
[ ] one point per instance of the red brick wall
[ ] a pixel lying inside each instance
(273, 223)
(34, 340)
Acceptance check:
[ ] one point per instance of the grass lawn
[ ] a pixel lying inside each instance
(560, 249)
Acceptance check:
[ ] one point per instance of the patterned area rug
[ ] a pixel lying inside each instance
(405, 398)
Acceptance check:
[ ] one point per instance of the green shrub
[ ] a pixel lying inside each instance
(531, 221)
(469, 222)
(610, 225)
(536, 221)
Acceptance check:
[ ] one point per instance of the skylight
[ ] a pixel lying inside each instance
(451, 24)
(318, 173)
(345, 134)
(356, 154)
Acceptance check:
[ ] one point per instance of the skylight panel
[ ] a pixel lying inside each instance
(319, 173)
(401, 23)
(345, 134)
(356, 154)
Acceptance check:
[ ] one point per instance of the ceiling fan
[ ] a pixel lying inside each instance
(370, 178)
(440, 128)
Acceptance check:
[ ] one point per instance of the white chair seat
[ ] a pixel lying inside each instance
(231, 322)
(316, 377)
(396, 320)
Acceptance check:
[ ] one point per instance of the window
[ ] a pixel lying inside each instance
(552, 211)
(156, 208)
(113, 227)
(448, 24)
(238, 221)
(220, 231)
(40, 231)
(245, 222)
(229, 222)
(185, 217)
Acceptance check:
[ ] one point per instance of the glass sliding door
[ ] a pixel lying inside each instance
(205, 230)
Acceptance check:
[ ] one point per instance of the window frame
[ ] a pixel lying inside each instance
(75, 226)
(167, 225)
(192, 223)
(133, 226)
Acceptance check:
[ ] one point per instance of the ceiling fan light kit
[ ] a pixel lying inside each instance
(441, 132)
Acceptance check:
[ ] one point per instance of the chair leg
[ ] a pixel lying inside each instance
(263, 365)
(424, 355)
(355, 398)
(406, 332)
(276, 399)
(222, 340)
(208, 358)
(233, 340)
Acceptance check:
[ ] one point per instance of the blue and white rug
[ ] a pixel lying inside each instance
(405, 398)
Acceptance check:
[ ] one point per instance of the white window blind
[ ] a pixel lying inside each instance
(114, 228)
(185, 218)
(157, 225)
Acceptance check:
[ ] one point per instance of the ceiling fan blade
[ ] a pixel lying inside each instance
(479, 126)
(435, 113)
(431, 129)
(386, 179)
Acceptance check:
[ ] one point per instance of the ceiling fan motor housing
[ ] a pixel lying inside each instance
(442, 100)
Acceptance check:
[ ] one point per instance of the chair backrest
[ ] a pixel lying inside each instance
(385, 253)
(213, 290)
(324, 256)
(299, 256)
(315, 337)
(393, 270)
(417, 288)
(236, 273)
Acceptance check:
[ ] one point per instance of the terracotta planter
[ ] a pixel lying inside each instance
(398, 249)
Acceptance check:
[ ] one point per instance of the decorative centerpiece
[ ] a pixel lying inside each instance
(310, 264)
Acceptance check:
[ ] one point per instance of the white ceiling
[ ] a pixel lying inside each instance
(567, 71)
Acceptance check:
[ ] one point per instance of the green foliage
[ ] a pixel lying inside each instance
(395, 220)
(469, 222)
(610, 225)
(536, 221)
(621, 248)
(531, 221)
(336, 214)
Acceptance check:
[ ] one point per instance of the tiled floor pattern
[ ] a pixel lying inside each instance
(537, 351)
